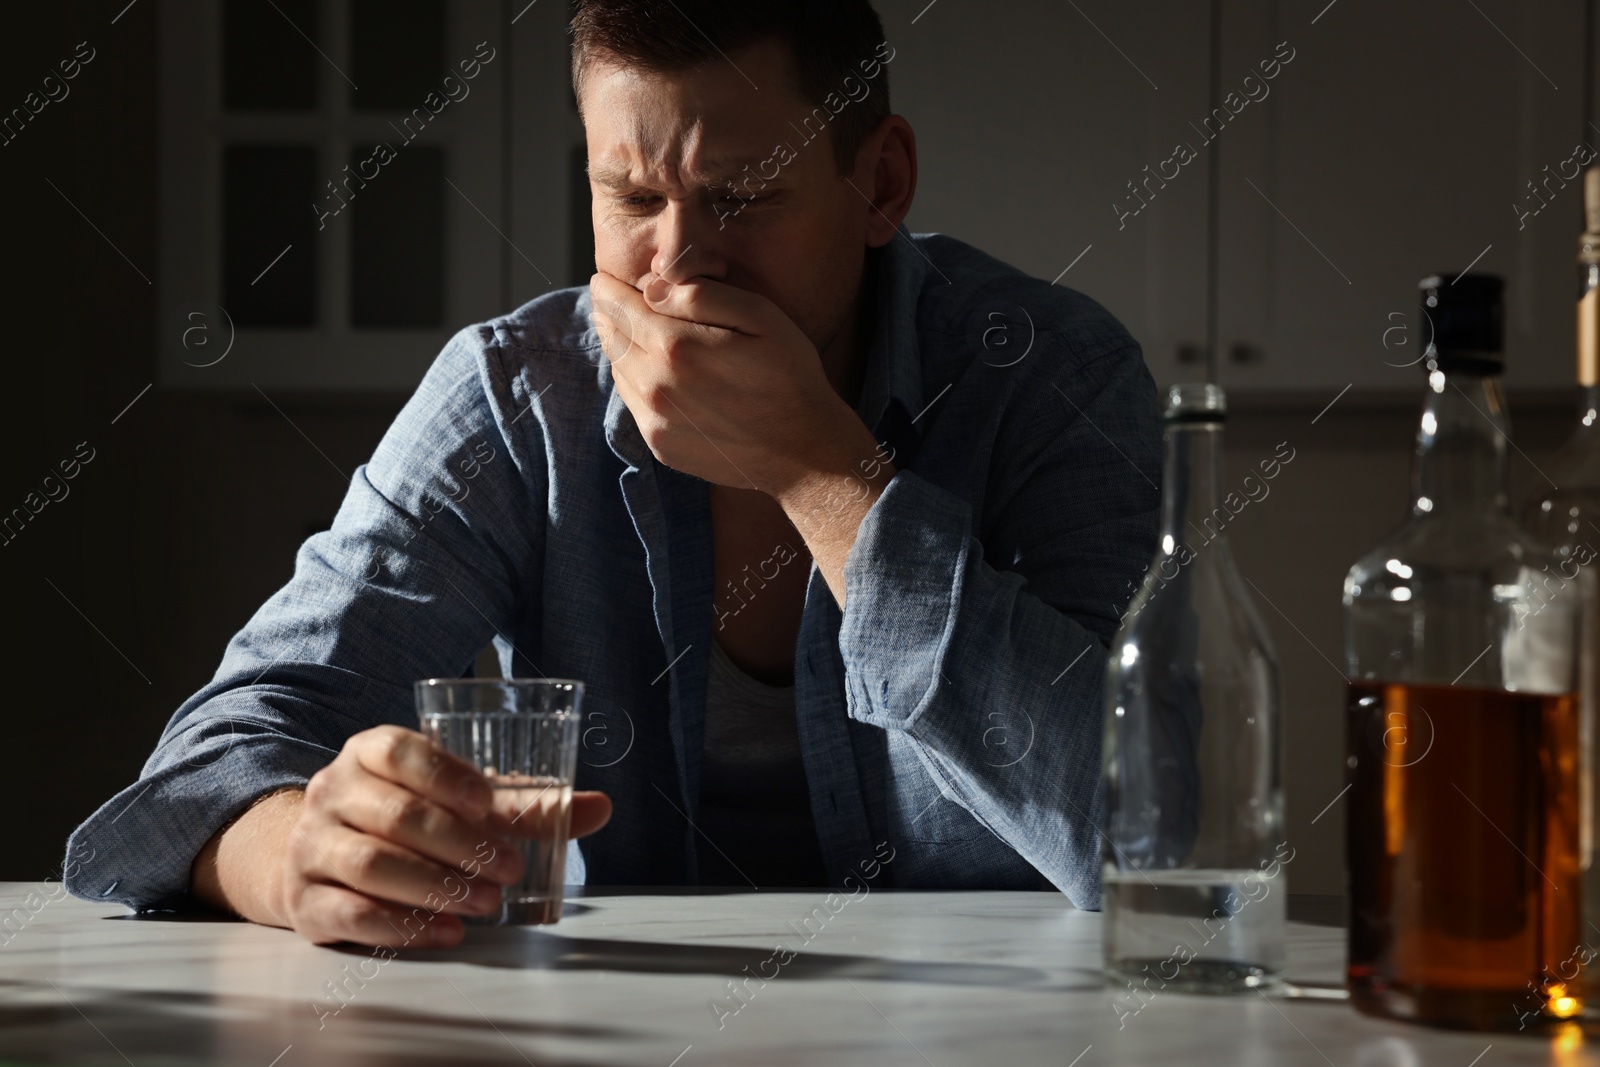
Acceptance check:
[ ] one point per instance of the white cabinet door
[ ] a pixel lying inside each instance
(1401, 140)
(1035, 128)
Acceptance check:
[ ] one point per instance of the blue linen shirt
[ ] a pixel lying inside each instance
(952, 711)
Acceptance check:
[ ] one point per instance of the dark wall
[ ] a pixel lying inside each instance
(123, 593)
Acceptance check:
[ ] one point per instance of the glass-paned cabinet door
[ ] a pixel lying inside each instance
(334, 193)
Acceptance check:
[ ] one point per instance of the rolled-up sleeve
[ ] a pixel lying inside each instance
(427, 557)
(983, 637)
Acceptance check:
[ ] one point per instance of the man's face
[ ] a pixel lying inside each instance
(662, 149)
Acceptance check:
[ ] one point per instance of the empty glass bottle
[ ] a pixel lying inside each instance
(1462, 723)
(1192, 874)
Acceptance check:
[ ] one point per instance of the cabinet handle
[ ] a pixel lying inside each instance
(1191, 353)
(1243, 353)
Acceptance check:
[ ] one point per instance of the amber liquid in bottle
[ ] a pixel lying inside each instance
(1464, 766)
(1464, 868)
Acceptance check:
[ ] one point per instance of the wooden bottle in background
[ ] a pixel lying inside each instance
(1565, 514)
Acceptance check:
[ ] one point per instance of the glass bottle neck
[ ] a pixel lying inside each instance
(1461, 465)
(1191, 508)
(1589, 410)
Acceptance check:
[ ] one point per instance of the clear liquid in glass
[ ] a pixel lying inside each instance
(522, 736)
(1194, 930)
(539, 808)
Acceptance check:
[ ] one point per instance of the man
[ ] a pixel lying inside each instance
(835, 523)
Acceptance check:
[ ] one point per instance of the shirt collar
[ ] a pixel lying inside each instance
(891, 388)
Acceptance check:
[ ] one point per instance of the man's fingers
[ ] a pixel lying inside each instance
(328, 914)
(616, 305)
(396, 814)
(615, 326)
(634, 324)
(609, 289)
(407, 758)
(590, 811)
(708, 302)
(386, 871)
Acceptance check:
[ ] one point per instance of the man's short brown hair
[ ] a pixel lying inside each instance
(830, 41)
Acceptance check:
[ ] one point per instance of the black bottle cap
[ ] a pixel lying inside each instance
(1464, 322)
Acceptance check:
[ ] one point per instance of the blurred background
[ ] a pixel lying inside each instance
(193, 295)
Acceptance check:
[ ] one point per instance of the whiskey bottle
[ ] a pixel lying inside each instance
(1462, 819)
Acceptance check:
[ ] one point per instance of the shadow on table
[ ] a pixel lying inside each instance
(47, 1022)
(528, 948)
(543, 949)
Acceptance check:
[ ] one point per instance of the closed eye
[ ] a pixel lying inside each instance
(636, 201)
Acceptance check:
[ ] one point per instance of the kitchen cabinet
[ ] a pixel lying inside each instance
(1357, 147)
(1040, 130)
(1402, 140)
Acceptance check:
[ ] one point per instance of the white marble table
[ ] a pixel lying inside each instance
(630, 978)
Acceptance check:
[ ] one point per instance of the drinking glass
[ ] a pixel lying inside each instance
(522, 733)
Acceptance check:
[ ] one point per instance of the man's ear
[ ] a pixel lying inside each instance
(886, 173)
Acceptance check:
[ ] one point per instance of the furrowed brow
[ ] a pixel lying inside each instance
(610, 176)
(718, 175)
